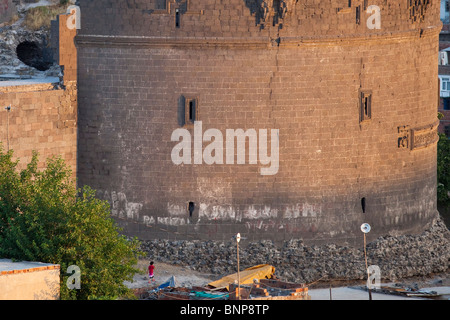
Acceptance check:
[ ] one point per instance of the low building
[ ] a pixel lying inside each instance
(29, 280)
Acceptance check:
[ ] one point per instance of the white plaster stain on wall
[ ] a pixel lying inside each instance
(309, 210)
(252, 212)
(176, 210)
(213, 188)
(214, 212)
(121, 207)
(178, 215)
(172, 221)
(148, 220)
(267, 225)
(227, 213)
(292, 212)
(260, 213)
(302, 210)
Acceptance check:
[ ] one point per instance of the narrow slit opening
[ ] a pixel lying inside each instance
(177, 18)
(191, 207)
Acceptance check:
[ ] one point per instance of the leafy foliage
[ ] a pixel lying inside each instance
(443, 168)
(43, 217)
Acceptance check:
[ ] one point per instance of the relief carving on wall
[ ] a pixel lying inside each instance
(417, 138)
(403, 137)
(273, 9)
(424, 136)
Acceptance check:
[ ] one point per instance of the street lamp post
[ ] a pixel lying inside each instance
(365, 228)
(238, 238)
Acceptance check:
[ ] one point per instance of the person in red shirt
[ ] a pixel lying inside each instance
(151, 276)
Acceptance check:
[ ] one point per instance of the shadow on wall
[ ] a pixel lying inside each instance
(266, 11)
(51, 291)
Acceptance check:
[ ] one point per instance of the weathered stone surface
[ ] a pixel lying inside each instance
(38, 108)
(398, 257)
(310, 72)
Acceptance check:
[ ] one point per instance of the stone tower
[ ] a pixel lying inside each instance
(343, 92)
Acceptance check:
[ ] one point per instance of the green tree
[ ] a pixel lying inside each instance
(43, 217)
(443, 169)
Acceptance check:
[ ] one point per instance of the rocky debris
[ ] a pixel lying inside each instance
(398, 257)
(12, 35)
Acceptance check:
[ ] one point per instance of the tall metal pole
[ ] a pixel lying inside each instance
(367, 269)
(238, 238)
(365, 228)
(8, 109)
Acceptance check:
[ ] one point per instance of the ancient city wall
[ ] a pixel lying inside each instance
(252, 18)
(41, 114)
(307, 73)
(39, 117)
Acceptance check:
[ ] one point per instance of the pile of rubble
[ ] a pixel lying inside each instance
(398, 257)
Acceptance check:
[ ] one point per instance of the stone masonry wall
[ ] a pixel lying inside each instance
(41, 118)
(303, 74)
(37, 115)
(248, 18)
(66, 52)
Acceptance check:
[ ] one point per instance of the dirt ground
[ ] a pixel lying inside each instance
(163, 272)
(187, 278)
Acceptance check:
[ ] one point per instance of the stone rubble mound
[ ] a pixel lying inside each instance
(398, 257)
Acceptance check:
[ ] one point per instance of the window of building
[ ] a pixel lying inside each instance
(177, 18)
(445, 84)
(365, 105)
(363, 204)
(191, 208)
(358, 14)
(446, 103)
(187, 110)
(191, 110)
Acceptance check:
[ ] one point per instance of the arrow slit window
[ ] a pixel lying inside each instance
(191, 110)
(177, 18)
(365, 105)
